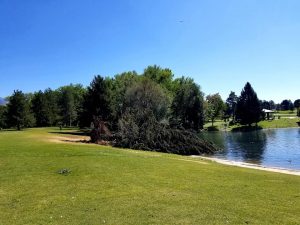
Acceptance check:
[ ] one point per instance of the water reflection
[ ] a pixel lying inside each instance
(248, 146)
(274, 147)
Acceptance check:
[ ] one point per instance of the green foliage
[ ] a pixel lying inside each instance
(161, 76)
(45, 107)
(297, 106)
(18, 111)
(3, 115)
(187, 105)
(146, 105)
(231, 102)
(287, 105)
(248, 108)
(215, 107)
(147, 133)
(97, 101)
(146, 95)
(70, 103)
(120, 84)
(143, 125)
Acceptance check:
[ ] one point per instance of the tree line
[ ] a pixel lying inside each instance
(152, 110)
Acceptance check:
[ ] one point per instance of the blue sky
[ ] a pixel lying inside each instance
(221, 44)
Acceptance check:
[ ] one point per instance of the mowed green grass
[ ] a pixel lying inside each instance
(281, 123)
(265, 124)
(115, 186)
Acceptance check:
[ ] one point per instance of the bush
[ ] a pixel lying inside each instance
(154, 136)
(100, 133)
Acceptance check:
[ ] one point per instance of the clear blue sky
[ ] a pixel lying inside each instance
(221, 44)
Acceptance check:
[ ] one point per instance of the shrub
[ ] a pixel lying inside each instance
(154, 136)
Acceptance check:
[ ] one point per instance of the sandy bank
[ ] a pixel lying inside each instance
(251, 166)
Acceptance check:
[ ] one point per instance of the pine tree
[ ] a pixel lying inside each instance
(17, 110)
(231, 102)
(97, 102)
(248, 108)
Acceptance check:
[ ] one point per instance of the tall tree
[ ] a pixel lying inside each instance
(70, 103)
(146, 106)
(45, 107)
(187, 105)
(3, 115)
(231, 102)
(161, 76)
(17, 110)
(120, 84)
(97, 101)
(68, 109)
(248, 107)
(215, 106)
(52, 107)
(39, 109)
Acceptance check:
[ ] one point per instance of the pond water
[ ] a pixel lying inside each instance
(272, 147)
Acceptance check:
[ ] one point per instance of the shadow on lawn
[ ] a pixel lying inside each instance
(78, 133)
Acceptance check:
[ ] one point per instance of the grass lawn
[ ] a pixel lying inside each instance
(285, 112)
(113, 186)
(265, 124)
(281, 123)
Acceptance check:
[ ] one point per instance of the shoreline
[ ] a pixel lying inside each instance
(250, 165)
(271, 128)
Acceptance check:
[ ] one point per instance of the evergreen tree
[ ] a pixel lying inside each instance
(45, 108)
(3, 115)
(52, 107)
(248, 108)
(97, 102)
(17, 110)
(39, 109)
(67, 106)
(231, 102)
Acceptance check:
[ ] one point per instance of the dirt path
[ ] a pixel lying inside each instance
(68, 139)
(251, 166)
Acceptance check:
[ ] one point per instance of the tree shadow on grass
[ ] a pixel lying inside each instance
(78, 133)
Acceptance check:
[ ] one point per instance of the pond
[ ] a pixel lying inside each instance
(271, 148)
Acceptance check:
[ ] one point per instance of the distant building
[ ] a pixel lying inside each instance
(269, 114)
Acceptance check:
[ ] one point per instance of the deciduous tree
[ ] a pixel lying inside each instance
(215, 106)
(187, 105)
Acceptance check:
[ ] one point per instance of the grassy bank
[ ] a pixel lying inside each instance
(265, 124)
(112, 186)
